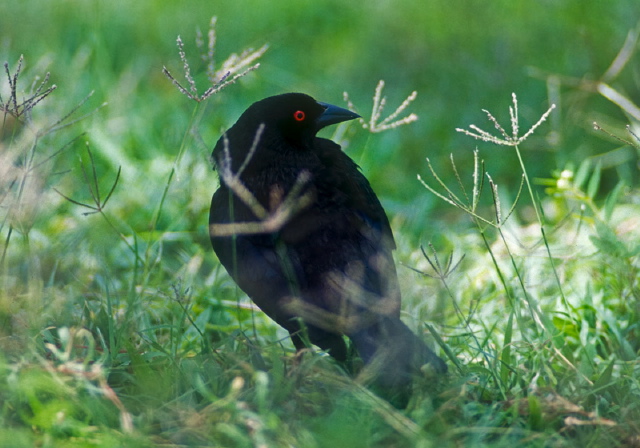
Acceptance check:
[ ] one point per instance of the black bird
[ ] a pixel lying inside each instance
(328, 270)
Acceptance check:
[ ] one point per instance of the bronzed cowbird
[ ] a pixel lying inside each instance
(326, 271)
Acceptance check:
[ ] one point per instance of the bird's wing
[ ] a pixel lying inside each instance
(344, 175)
(252, 260)
(344, 241)
(334, 256)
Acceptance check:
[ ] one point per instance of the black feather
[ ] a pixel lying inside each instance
(331, 264)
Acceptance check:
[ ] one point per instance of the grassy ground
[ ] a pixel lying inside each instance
(118, 326)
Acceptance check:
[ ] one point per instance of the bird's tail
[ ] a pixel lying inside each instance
(393, 354)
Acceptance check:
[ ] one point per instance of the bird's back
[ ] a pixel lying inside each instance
(335, 254)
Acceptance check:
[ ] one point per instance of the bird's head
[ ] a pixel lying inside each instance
(290, 118)
(296, 116)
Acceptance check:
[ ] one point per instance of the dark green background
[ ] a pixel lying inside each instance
(460, 56)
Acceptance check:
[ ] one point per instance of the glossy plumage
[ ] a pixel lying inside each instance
(330, 265)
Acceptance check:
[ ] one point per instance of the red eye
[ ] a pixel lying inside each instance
(299, 115)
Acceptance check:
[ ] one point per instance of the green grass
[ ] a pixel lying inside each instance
(118, 326)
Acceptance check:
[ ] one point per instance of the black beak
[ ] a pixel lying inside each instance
(333, 114)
